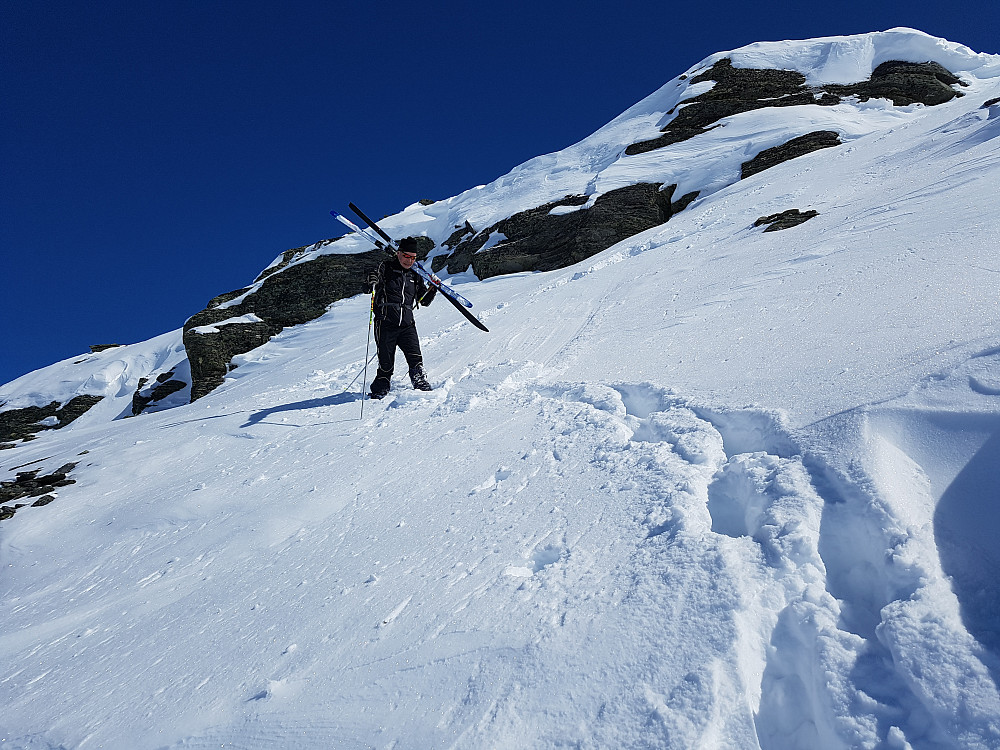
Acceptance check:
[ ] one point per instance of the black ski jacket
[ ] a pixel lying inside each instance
(397, 292)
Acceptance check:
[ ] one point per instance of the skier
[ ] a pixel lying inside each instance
(398, 289)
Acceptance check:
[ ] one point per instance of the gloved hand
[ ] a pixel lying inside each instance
(372, 279)
(428, 296)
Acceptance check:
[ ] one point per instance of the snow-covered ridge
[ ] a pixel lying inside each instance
(848, 59)
(705, 165)
(596, 164)
(837, 59)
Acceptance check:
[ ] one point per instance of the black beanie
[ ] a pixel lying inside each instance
(407, 245)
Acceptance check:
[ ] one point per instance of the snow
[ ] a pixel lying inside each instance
(114, 373)
(495, 238)
(848, 59)
(711, 488)
(214, 328)
(710, 162)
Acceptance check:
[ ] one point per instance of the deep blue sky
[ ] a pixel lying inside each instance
(156, 154)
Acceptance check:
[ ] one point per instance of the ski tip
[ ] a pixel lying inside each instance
(334, 214)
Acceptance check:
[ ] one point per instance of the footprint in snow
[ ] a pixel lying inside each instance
(541, 558)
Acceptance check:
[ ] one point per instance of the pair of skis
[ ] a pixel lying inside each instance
(457, 300)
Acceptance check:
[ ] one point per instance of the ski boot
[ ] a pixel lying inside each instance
(380, 385)
(419, 379)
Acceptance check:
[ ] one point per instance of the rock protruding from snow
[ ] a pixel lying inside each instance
(785, 219)
(290, 296)
(27, 422)
(547, 238)
(738, 90)
(796, 147)
(29, 484)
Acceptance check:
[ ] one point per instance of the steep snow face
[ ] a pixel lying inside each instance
(711, 488)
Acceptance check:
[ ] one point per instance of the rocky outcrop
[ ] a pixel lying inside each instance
(28, 484)
(792, 149)
(27, 422)
(290, 255)
(164, 385)
(210, 353)
(905, 83)
(785, 220)
(545, 238)
(736, 90)
(739, 90)
(300, 293)
(461, 233)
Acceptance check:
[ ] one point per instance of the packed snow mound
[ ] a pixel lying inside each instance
(710, 488)
(112, 372)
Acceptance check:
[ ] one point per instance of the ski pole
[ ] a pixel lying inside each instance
(355, 380)
(368, 341)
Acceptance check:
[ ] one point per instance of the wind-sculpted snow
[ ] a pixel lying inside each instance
(557, 563)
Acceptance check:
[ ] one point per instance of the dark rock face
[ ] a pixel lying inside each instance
(537, 240)
(209, 354)
(792, 149)
(28, 484)
(298, 294)
(23, 424)
(739, 90)
(785, 220)
(461, 233)
(905, 83)
(96, 348)
(165, 386)
(286, 257)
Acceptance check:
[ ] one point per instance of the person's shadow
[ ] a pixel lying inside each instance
(313, 403)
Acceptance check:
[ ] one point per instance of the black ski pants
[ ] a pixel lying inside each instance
(388, 337)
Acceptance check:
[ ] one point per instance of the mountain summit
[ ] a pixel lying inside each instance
(723, 473)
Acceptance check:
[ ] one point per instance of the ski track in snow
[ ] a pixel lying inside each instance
(660, 574)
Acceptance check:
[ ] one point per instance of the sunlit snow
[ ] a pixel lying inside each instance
(711, 488)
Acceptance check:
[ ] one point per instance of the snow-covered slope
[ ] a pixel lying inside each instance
(712, 488)
(710, 162)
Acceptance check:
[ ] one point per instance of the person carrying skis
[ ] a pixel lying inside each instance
(398, 290)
